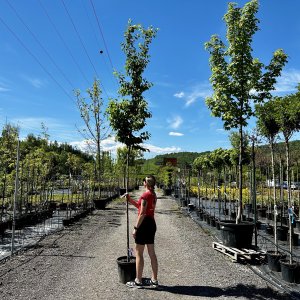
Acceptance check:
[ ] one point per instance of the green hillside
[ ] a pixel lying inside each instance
(152, 165)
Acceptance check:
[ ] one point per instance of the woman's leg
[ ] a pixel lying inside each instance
(139, 251)
(153, 258)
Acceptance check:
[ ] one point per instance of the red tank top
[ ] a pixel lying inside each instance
(150, 197)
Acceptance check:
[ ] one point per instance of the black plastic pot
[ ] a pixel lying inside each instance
(258, 224)
(208, 219)
(288, 270)
(262, 212)
(122, 191)
(201, 215)
(284, 220)
(297, 274)
(248, 208)
(167, 192)
(126, 269)
(282, 233)
(274, 260)
(269, 229)
(100, 203)
(218, 225)
(183, 202)
(212, 221)
(295, 239)
(191, 206)
(269, 216)
(225, 211)
(236, 235)
(233, 215)
(298, 224)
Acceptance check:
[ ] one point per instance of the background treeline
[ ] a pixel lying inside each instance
(187, 158)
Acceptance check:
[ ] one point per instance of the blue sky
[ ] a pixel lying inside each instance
(49, 48)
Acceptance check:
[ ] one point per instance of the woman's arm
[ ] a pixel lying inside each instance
(142, 213)
(132, 201)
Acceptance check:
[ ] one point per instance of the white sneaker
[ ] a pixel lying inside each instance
(134, 284)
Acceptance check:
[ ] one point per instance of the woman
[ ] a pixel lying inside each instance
(144, 232)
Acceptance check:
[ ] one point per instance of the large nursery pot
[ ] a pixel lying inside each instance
(295, 239)
(288, 270)
(248, 208)
(274, 260)
(233, 215)
(225, 211)
(184, 202)
(218, 224)
(262, 212)
(284, 220)
(269, 229)
(236, 235)
(298, 224)
(126, 269)
(167, 192)
(212, 221)
(282, 232)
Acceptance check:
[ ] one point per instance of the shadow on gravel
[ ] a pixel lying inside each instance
(241, 290)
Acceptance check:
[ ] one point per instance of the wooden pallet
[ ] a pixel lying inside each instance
(238, 254)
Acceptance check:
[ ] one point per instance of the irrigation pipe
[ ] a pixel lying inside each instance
(275, 283)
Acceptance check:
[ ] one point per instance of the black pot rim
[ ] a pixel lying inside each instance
(122, 260)
(232, 223)
(279, 254)
(286, 262)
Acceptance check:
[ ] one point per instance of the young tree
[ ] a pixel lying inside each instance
(269, 128)
(237, 78)
(201, 164)
(287, 114)
(93, 116)
(128, 116)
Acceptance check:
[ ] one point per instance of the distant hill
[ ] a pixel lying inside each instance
(182, 157)
(152, 165)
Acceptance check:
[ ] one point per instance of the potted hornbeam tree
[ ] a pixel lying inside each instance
(128, 115)
(238, 80)
(287, 114)
(269, 128)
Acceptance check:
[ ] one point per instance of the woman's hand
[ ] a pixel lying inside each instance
(126, 195)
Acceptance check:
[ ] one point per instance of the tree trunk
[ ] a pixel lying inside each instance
(287, 152)
(127, 204)
(240, 207)
(274, 196)
(254, 191)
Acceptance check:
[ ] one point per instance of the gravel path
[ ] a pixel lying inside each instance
(79, 262)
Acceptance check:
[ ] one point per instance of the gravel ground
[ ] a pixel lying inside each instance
(79, 262)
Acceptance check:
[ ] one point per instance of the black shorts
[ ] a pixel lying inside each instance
(146, 232)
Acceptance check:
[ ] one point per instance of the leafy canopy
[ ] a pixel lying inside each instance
(128, 116)
(237, 78)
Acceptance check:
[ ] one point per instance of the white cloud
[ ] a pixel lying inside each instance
(175, 133)
(4, 83)
(201, 90)
(4, 89)
(35, 82)
(179, 95)
(288, 81)
(175, 122)
(35, 123)
(110, 144)
(221, 130)
(159, 150)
